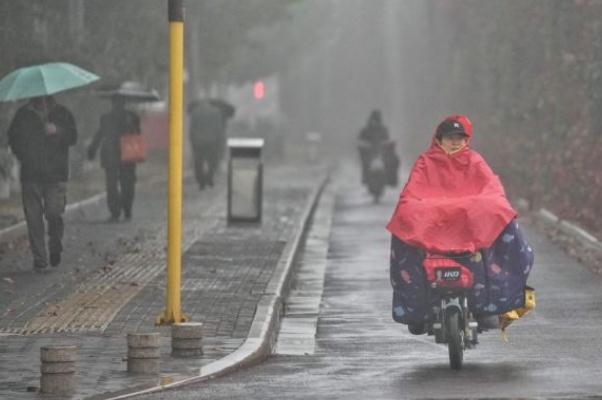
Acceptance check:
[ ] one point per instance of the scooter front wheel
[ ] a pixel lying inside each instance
(455, 336)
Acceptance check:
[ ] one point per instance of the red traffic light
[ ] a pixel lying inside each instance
(259, 90)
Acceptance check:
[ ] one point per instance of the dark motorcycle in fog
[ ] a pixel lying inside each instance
(380, 167)
(376, 177)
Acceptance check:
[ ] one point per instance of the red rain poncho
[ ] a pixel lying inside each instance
(451, 202)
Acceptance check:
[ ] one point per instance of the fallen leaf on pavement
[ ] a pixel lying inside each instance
(166, 380)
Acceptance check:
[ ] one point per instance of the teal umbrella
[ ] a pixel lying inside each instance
(43, 80)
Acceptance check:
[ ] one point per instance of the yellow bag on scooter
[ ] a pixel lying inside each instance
(512, 315)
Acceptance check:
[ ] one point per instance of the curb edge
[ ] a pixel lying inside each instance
(262, 334)
(569, 228)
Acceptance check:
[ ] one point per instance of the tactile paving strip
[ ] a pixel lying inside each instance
(95, 302)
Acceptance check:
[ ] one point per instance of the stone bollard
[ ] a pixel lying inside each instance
(186, 339)
(144, 353)
(58, 369)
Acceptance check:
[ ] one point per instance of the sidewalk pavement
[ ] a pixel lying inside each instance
(82, 190)
(112, 283)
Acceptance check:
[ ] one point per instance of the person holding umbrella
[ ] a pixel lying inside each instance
(120, 173)
(40, 135)
(206, 134)
(227, 112)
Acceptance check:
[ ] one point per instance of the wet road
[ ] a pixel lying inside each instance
(361, 353)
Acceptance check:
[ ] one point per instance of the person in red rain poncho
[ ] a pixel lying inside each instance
(454, 203)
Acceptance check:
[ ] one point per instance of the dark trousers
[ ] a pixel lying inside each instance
(121, 187)
(205, 155)
(44, 200)
(365, 162)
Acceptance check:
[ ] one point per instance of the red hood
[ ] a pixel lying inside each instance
(451, 202)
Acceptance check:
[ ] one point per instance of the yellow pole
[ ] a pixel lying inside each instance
(173, 308)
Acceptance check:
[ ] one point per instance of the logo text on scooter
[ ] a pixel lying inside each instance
(447, 274)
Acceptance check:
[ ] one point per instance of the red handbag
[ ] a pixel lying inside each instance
(133, 148)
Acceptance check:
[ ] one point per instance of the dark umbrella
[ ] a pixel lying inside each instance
(227, 109)
(129, 91)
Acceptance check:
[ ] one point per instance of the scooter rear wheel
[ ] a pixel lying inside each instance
(455, 336)
(376, 188)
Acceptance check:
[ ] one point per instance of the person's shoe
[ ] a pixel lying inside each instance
(55, 259)
(113, 218)
(39, 267)
(488, 322)
(416, 329)
(127, 216)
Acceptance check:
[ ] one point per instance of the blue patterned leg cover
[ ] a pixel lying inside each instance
(409, 283)
(500, 275)
(509, 262)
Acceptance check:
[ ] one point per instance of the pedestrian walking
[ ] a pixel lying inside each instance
(120, 175)
(206, 135)
(40, 135)
(227, 111)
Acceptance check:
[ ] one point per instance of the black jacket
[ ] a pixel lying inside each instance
(43, 158)
(374, 133)
(113, 125)
(206, 125)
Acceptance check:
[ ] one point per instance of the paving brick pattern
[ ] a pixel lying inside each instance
(95, 250)
(85, 302)
(225, 272)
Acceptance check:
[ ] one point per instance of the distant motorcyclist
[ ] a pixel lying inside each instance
(370, 138)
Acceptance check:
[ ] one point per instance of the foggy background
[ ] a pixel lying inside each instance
(528, 73)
